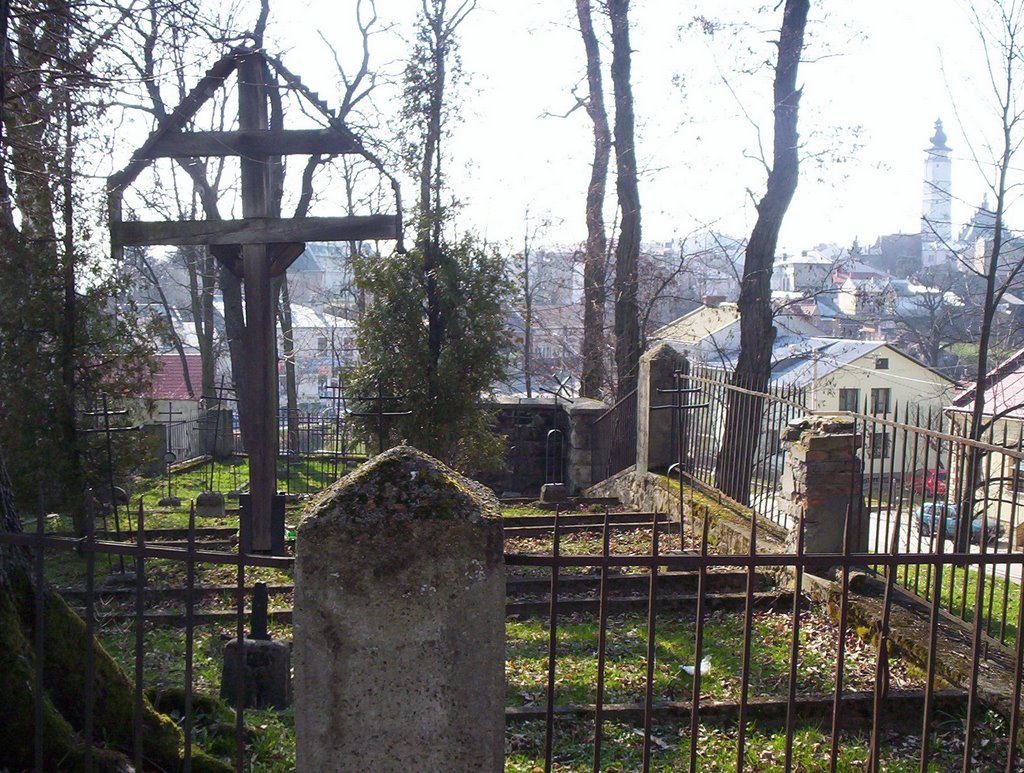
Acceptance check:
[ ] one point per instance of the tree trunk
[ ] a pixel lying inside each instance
(627, 249)
(146, 268)
(757, 333)
(65, 408)
(527, 321)
(993, 294)
(63, 679)
(594, 267)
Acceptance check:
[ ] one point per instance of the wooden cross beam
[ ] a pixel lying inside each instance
(249, 143)
(256, 230)
(262, 244)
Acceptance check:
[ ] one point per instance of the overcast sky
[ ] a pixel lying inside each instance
(878, 75)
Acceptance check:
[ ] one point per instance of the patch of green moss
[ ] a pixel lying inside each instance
(17, 707)
(65, 650)
(404, 484)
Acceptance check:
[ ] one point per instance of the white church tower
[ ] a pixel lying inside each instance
(937, 212)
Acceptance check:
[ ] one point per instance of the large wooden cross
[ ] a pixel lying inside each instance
(258, 247)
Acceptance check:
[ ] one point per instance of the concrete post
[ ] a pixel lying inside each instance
(654, 428)
(399, 622)
(822, 478)
(582, 412)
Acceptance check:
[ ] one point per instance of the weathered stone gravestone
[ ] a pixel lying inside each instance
(399, 622)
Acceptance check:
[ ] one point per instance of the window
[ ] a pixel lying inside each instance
(879, 444)
(882, 363)
(321, 345)
(849, 399)
(881, 399)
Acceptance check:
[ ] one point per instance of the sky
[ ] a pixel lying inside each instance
(876, 76)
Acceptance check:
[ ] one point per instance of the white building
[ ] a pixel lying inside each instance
(323, 343)
(937, 211)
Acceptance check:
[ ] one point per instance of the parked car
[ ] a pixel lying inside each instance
(929, 522)
(931, 481)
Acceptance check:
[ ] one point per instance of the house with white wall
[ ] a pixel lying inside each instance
(829, 374)
(323, 343)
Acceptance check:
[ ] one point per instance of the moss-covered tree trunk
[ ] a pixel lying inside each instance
(66, 649)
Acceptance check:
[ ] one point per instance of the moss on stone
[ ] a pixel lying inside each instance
(403, 484)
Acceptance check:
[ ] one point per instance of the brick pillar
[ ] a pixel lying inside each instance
(400, 622)
(654, 428)
(822, 478)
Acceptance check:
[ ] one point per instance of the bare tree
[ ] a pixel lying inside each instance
(757, 333)
(627, 247)
(595, 256)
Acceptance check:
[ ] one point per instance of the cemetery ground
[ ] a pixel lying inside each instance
(270, 742)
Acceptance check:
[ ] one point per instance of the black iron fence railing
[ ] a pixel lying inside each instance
(750, 661)
(613, 439)
(924, 485)
(928, 488)
(702, 435)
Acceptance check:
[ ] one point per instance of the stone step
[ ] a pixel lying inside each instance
(544, 531)
(567, 519)
(678, 602)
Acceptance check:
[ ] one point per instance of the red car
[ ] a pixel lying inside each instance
(931, 482)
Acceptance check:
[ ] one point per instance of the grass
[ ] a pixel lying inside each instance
(270, 735)
(622, 749)
(516, 511)
(576, 673)
(962, 585)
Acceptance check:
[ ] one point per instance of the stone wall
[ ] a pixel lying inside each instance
(730, 523)
(534, 456)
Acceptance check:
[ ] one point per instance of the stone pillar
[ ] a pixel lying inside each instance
(399, 622)
(822, 478)
(582, 412)
(654, 428)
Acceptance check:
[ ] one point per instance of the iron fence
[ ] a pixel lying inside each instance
(613, 439)
(928, 488)
(701, 434)
(922, 485)
(878, 716)
(879, 725)
(186, 439)
(129, 560)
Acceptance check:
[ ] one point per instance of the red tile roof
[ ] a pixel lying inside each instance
(169, 378)
(1004, 390)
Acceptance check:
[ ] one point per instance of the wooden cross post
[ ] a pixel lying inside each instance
(259, 378)
(262, 244)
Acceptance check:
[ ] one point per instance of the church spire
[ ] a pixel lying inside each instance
(939, 140)
(936, 213)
